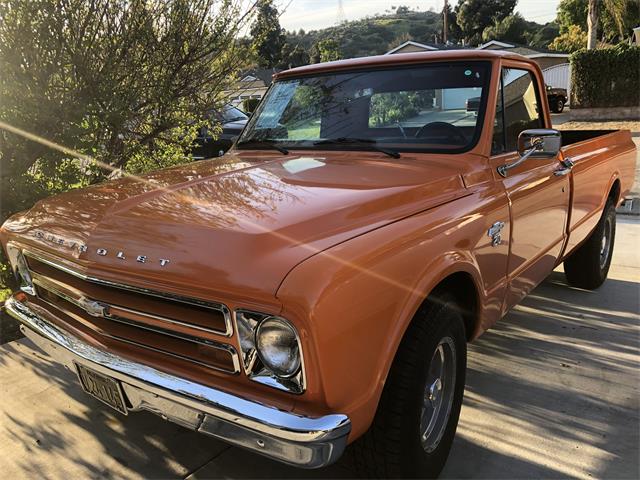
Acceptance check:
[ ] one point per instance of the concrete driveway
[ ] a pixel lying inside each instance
(553, 391)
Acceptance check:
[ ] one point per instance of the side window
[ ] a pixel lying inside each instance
(518, 106)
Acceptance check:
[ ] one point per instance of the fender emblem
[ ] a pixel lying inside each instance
(494, 233)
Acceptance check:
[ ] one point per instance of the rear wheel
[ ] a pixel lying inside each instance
(588, 266)
(418, 413)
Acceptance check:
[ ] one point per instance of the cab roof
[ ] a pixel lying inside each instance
(399, 59)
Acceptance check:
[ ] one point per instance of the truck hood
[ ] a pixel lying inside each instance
(232, 225)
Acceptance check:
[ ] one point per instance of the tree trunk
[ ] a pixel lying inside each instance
(592, 23)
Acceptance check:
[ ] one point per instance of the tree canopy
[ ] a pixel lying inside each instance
(512, 28)
(268, 37)
(616, 18)
(570, 41)
(473, 16)
(326, 50)
(128, 84)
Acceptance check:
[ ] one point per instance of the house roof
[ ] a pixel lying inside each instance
(425, 46)
(263, 74)
(413, 44)
(495, 43)
(527, 51)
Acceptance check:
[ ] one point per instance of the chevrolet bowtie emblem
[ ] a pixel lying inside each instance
(93, 308)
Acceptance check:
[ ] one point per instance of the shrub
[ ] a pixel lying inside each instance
(127, 83)
(606, 77)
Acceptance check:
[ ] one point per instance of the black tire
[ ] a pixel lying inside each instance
(393, 447)
(559, 106)
(588, 266)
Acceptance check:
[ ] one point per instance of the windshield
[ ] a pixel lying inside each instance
(232, 114)
(427, 108)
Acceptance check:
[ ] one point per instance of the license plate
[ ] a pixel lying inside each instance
(104, 388)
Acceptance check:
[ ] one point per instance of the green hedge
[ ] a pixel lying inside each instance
(608, 77)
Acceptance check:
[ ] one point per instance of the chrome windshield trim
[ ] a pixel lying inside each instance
(216, 306)
(247, 423)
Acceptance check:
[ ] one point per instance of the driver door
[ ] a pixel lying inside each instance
(537, 192)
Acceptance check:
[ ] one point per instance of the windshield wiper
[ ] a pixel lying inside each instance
(371, 144)
(264, 143)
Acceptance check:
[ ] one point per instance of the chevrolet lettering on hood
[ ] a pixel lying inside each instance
(103, 252)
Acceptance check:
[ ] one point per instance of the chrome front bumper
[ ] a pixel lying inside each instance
(294, 439)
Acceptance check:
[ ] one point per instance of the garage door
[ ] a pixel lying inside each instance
(559, 76)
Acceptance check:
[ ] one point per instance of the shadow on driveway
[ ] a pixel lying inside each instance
(552, 392)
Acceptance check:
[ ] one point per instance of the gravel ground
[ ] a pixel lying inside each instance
(633, 125)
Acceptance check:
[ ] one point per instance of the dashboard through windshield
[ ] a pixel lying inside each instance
(426, 108)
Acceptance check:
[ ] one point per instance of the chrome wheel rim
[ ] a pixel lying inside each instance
(437, 398)
(605, 245)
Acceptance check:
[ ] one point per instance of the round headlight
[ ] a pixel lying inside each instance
(277, 346)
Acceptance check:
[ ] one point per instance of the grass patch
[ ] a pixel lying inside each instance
(309, 131)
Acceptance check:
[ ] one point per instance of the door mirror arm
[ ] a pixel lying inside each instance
(534, 143)
(503, 169)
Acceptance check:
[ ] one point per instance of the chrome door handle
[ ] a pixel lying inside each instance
(567, 165)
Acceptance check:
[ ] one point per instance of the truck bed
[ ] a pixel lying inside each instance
(570, 137)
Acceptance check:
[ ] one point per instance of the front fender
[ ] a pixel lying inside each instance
(352, 303)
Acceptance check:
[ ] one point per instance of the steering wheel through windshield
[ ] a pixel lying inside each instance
(435, 129)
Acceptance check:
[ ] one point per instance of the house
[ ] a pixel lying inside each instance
(252, 83)
(554, 65)
(543, 57)
(412, 47)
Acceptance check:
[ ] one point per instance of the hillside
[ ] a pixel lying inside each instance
(380, 33)
(374, 35)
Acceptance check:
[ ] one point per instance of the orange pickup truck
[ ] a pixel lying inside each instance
(317, 285)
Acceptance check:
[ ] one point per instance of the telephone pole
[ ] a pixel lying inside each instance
(445, 10)
(341, 17)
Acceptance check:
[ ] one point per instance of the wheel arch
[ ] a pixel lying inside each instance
(615, 190)
(460, 278)
(463, 287)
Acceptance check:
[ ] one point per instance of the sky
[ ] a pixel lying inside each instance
(315, 14)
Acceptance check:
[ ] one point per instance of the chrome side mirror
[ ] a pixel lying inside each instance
(535, 143)
(544, 143)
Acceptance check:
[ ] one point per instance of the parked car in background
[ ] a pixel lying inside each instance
(557, 98)
(473, 104)
(233, 121)
(318, 285)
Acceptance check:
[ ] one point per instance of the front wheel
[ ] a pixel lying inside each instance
(559, 106)
(418, 413)
(588, 266)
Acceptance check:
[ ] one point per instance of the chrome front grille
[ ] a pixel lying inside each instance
(185, 329)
